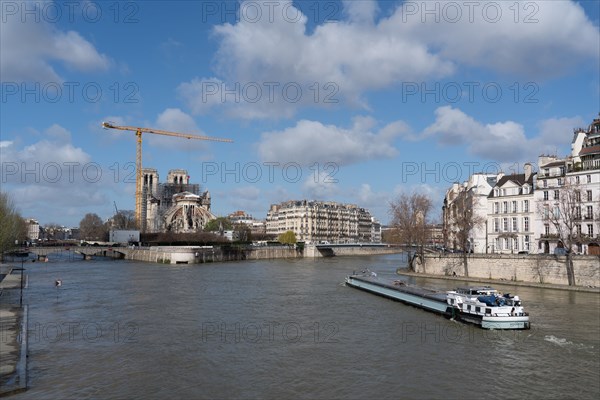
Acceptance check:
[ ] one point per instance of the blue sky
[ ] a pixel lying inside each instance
(351, 101)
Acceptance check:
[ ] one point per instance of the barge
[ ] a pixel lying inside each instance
(482, 305)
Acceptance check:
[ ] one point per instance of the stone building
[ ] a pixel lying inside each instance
(511, 213)
(175, 206)
(320, 221)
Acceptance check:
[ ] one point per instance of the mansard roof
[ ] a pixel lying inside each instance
(517, 179)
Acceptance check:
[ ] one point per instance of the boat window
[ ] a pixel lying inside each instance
(451, 301)
(469, 307)
(477, 309)
(488, 310)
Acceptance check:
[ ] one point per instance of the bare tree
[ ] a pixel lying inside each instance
(563, 214)
(410, 215)
(92, 227)
(124, 219)
(463, 220)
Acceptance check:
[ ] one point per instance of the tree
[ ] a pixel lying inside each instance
(564, 214)
(124, 220)
(91, 227)
(410, 215)
(288, 238)
(242, 232)
(12, 226)
(462, 220)
(218, 225)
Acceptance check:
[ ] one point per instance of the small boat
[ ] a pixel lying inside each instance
(483, 306)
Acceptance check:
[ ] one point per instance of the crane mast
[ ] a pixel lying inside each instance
(138, 158)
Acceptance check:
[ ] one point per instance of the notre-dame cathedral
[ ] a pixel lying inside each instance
(175, 206)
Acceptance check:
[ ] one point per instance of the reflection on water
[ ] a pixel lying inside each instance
(288, 329)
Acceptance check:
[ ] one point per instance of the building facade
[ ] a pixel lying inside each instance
(471, 195)
(176, 206)
(319, 222)
(534, 212)
(511, 213)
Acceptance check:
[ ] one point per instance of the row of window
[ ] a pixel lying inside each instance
(556, 195)
(513, 207)
(512, 244)
(578, 229)
(513, 227)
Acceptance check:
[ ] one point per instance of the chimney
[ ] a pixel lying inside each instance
(528, 171)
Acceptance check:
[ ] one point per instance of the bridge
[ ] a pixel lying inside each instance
(86, 252)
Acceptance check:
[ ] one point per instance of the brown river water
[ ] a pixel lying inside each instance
(282, 329)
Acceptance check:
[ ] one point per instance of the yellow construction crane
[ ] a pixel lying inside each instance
(138, 157)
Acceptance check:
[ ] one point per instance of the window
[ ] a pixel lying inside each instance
(589, 195)
(578, 228)
(496, 225)
(577, 212)
(589, 178)
(477, 309)
(526, 224)
(514, 225)
(497, 244)
(525, 189)
(560, 182)
(514, 207)
(546, 229)
(505, 224)
(556, 195)
(526, 206)
(577, 195)
(590, 212)
(562, 172)
(590, 230)
(545, 194)
(515, 244)
(496, 208)
(505, 207)
(546, 171)
(577, 179)
(545, 183)
(506, 243)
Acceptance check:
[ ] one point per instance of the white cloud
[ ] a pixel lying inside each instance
(310, 142)
(30, 50)
(319, 188)
(500, 141)
(362, 53)
(529, 39)
(5, 143)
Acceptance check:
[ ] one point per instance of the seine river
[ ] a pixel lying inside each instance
(289, 330)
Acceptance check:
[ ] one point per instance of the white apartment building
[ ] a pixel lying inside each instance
(476, 189)
(319, 221)
(511, 214)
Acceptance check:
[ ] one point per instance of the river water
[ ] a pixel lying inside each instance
(289, 329)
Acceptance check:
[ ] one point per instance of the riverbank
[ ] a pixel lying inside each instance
(528, 268)
(13, 343)
(402, 271)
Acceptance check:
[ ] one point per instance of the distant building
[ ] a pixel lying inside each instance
(320, 221)
(175, 206)
(242, 218)
(33, 229)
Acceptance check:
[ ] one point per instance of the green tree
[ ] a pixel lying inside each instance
(91, 227)
(288, 237)
(218, 225)
(12, 226)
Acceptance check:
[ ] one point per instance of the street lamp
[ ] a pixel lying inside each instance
(21, 293)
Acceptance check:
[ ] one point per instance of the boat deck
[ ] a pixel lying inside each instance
(403, 288)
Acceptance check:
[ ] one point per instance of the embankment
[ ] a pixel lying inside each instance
(545, 269)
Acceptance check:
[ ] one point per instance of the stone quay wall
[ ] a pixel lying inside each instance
(525, 268)
(199, 255)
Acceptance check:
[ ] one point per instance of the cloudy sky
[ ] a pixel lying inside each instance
(351, 101)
